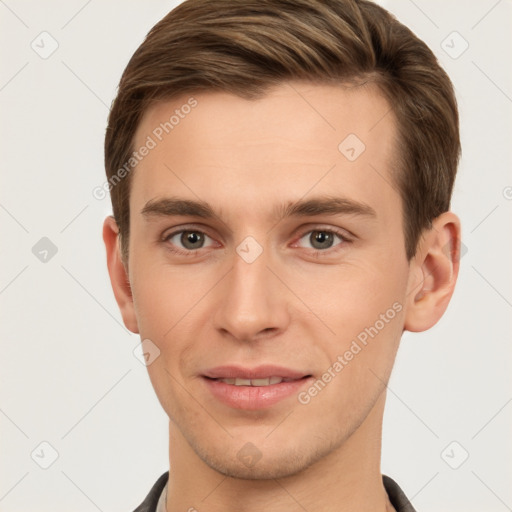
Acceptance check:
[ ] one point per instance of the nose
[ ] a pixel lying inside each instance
(252, 303)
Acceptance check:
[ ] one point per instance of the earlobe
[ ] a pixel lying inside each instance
(118, 274)
(433, 274)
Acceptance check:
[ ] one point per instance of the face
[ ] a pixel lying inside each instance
(266, 243)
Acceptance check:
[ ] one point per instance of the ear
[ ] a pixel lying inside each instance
(433, 273)
(119, 274)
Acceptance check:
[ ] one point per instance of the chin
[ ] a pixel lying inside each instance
(269, 470)
(249, 463)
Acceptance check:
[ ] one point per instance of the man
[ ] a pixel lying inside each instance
(280, 174)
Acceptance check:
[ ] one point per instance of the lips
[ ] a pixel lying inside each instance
(253, 388)
(255, 382)
(260, 372)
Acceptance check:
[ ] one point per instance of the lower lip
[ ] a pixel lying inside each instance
(254, 397)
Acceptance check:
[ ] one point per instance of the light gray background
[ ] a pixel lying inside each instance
(68, 373)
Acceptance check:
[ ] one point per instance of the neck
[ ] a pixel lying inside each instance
(347, 479)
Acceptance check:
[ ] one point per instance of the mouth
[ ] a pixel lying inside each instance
(252, 389)
(267, 381)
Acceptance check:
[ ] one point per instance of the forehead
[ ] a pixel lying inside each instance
(228, 150)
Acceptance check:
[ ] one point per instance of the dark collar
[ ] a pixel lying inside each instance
(396, 495)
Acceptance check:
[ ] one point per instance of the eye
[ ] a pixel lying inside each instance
(320, 239)
(189, 239)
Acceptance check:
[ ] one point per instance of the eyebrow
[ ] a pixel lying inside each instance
(169, 206)
(324, 205)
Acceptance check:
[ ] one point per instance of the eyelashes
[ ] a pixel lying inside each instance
(323, 237)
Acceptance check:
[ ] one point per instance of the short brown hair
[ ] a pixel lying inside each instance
(244, 47)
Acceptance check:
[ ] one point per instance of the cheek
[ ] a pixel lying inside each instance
(171, 305)
(353, 296)
(363, 307)
(366, 312)
(359, 362)
(162, 295)
(165, 304)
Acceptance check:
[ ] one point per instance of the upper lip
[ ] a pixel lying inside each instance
(259, 372)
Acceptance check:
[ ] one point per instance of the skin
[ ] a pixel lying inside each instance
(296, 305)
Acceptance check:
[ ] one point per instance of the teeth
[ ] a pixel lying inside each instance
(260, 382)
(254, 382)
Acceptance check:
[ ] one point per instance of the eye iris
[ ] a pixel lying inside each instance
(321, 239)
(192, 239)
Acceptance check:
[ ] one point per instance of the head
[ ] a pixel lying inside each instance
(307, 150)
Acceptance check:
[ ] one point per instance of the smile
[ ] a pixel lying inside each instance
(255, 382)
(252, 389)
